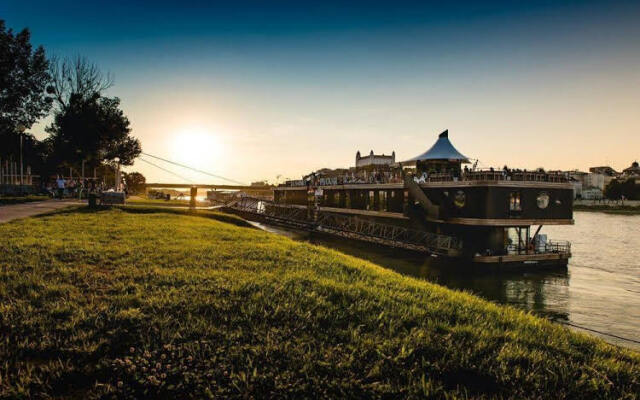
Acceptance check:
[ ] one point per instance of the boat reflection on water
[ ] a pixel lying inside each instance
(543, 292)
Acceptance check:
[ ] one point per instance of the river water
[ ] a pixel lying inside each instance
(600, 289)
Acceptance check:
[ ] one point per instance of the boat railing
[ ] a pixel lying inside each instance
(434, 177)
(347, 180)
(558, 246)
(513, 175)
(550, 247)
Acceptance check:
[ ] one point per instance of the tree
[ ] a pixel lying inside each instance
(92, 129)
(88, 126)
(77, 77)
(618, 188)
(613, 190)
(135, 182)
(25, 93)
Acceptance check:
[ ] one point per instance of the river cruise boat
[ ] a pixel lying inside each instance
(431, 203)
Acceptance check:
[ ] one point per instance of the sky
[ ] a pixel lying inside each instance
(273, 90)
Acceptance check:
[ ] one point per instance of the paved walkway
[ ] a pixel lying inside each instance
(15, 211)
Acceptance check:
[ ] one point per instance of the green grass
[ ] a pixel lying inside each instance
(5, 200)
(143, 201)
(133, 303)
(618, 209)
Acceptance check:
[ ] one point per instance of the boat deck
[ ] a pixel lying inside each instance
(541, 258)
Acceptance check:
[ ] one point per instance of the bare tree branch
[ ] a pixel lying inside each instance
(77, 77)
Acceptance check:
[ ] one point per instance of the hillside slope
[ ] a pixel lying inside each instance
(129, 304)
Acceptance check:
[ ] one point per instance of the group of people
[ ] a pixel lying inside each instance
(61, 187)
(374, 176)
(507, 173)
(395, 175)
(421, 175)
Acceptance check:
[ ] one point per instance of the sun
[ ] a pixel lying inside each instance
(197, 147)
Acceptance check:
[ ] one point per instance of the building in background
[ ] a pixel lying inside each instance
(608, 174)
(375, 159)
(577, 179)
(577, 188)
(604, 170)
(592, 194)
(594, 181)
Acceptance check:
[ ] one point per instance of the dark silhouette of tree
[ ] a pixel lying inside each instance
(613, 190)
(77, 77)
(92, 129)
(135, 182)
(88, 126)
(618, 188)
(25, 93)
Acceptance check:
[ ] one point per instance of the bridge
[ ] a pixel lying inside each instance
(206, 186)
(255, 190)
(233, 185)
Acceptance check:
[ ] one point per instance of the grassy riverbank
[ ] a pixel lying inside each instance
(137, 302)
(608, 209)
(6, 200)
(144, 201)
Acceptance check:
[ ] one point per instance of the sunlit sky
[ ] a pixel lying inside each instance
(254, 91)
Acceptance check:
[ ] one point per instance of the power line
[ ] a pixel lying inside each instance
(165, 170)
(194, 169)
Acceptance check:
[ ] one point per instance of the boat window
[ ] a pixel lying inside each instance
(382, 206)
(347, 200)
(459, 199)
(514, 202)
(336, 199)
(372, 200)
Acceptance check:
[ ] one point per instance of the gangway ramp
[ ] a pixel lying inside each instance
(351, 227)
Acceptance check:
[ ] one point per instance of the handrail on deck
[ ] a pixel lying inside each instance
(550, 247)
(558, 246)
(466, 175)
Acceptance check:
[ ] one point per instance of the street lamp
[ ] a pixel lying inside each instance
(21, 128)
(117, 174)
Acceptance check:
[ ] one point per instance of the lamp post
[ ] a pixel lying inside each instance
(117, 174)
(21, 128)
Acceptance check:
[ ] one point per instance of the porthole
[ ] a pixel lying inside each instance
(542, 200)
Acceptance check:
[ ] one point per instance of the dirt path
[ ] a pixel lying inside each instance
(15, 211)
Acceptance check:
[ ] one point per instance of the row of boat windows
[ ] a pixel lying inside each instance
(542, 201)
(390, 200)
(371, 200)
(515, 205)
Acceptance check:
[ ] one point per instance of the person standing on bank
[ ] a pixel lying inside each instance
(60, 183)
